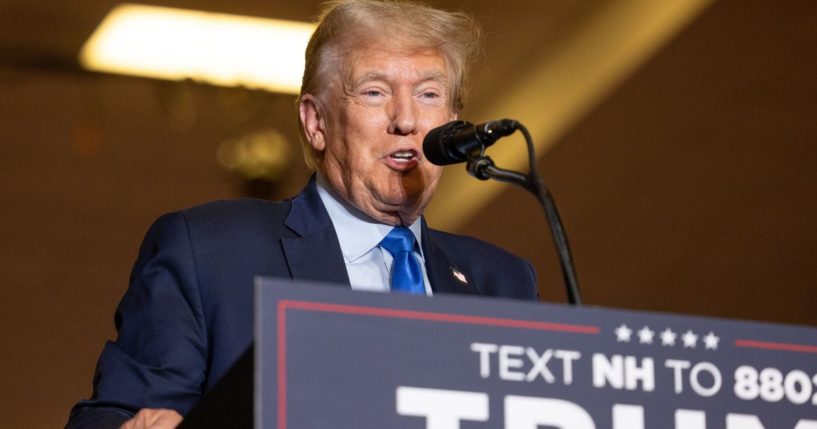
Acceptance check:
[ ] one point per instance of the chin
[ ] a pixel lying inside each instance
(416, 182)
(406, 193)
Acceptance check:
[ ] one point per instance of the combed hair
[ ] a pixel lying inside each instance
(344, 25)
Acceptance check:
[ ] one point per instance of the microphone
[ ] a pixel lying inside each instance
(455, 141)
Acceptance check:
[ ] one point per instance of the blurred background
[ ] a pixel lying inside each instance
(678, 137)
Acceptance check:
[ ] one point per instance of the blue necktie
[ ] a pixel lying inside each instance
(406, 275)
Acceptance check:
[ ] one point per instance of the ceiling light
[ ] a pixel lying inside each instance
(219, 49)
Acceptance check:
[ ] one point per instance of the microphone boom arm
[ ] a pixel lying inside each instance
(482, 167)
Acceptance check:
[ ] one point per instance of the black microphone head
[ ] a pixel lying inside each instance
(436, 147)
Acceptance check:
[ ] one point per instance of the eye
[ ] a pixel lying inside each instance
(372, 93)
(431, 96)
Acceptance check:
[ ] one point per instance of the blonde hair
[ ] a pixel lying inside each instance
(347, 24)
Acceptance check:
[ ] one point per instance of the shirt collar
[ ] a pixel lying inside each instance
(357, 232)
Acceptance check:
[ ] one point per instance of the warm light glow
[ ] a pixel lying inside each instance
(220, 49)
(591, 59)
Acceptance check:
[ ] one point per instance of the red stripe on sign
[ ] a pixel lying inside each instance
(282, 367)
(439, 317)
(776, 346)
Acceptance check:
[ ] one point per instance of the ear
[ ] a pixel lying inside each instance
(310, 111)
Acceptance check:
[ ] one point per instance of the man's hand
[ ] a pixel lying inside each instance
(153, 418)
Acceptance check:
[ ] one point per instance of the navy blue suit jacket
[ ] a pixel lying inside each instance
(188, 313)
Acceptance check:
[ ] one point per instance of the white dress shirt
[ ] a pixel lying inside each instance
(367, 264)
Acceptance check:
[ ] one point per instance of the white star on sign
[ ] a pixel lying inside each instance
(711, 341)
(645, 335)
(623, 333)
(689, 339)
(668, 337)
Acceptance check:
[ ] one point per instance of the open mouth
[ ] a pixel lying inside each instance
(403, 160)
(404, 156)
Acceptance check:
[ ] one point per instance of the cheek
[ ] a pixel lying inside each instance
(358, 162)
(437, 118)
(363, 131)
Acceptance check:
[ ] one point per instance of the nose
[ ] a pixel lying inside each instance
(403, 115)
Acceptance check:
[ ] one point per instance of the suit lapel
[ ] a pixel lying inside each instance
(443, 274)
(314, 255)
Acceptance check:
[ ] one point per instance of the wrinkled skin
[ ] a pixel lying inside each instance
(368, 127)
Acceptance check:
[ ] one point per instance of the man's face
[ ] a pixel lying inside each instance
(370, 130)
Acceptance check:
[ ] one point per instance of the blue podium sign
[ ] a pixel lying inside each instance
(329, 357)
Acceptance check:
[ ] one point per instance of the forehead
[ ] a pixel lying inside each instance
(416, 65)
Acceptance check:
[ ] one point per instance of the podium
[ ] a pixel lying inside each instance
(327, 357)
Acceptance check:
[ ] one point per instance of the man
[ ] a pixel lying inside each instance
(379, 75)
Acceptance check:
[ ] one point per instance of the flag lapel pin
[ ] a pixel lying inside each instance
(459, 276)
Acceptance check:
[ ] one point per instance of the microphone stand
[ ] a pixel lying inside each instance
(482, 167)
